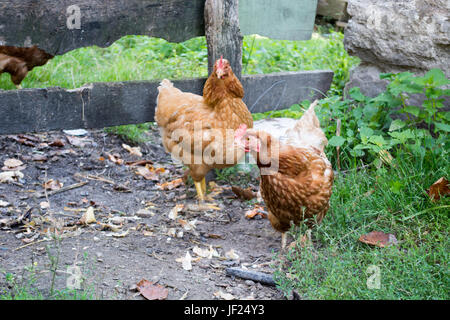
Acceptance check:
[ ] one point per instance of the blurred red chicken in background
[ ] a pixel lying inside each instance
(19, 61)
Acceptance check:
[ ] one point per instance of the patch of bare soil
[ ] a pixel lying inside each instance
(142, 230)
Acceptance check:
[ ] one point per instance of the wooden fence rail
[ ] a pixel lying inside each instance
(99, 105)
(64, 25)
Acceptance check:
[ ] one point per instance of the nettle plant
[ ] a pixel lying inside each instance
(368, 131)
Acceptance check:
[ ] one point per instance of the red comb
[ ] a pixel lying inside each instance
(221, 62)
(239, 133)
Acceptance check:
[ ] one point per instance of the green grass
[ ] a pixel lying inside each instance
(365, 201)
(24, 287)
(145, 58)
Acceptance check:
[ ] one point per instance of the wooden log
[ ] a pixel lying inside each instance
(222, 33)
(100, 105)
(64, 25)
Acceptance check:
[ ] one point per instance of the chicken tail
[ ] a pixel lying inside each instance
(307, 131)
(165, 105)
(165, 84)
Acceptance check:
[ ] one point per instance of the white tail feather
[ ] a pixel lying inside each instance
(165, 84)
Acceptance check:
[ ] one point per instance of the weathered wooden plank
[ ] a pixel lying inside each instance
(279, 19)
(101, 105)
(222, 33)
(64, 25)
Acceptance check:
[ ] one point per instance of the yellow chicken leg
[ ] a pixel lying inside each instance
(203, 182)
(283, 240)
(199, 188)
(18, 86)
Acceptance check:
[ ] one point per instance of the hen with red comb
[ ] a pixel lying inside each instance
(185, 118)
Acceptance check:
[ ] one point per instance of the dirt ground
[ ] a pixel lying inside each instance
(133, 237)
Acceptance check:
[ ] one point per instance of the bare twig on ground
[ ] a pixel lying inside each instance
(262, 277)
(29, 244)
(63, 189)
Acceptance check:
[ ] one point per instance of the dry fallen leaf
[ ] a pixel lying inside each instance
(438, 189)
(225, 296)
(187, 225)
(152, 291)
(13, 165)
(257, 210)
(75, 141)
(136, 151)
(173, 213)
(378, 238)
(172, 232)
(26, 140)
(205, 253)
(231, 255)
(4, 204)
(122, 234)
(88, 217)
(57, 143)
(147, 233)
(52, 185)
(39, 157)
(214, 236)
(186, 261)
(115, 159)
(150, 173)
(245, 194)
(10, 176)
(44, 205)
(138, 163)
(170, 185)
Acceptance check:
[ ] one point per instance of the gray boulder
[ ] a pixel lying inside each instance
(396, 36)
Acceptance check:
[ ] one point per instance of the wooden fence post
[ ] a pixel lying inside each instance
(223, 35)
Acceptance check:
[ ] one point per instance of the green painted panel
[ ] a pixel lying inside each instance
(278, 19)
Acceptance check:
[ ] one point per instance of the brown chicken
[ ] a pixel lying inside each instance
(19, 61)
(199, 130)
(296, 176)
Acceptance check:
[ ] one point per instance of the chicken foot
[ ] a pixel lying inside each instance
(200, 190)
(200, 186)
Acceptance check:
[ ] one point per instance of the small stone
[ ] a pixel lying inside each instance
(249, 282)
(236, 203)
(144, 213)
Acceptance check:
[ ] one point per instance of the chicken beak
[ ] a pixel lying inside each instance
(220, 73)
